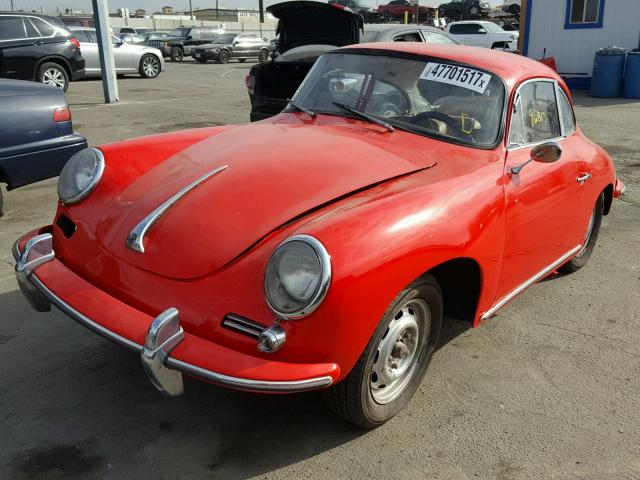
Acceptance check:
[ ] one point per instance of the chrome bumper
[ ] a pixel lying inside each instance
(164, 333)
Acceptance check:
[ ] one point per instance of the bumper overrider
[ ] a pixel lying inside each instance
(166, 350)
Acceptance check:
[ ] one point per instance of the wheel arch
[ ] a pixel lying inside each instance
(59, 60)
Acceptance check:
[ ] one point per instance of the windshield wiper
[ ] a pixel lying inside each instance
(365, 116)
(302, 109)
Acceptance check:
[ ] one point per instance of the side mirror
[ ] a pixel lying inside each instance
(545, 153)
(189, 37)
(482, 30)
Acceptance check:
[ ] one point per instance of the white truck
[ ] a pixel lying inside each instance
(479, 33)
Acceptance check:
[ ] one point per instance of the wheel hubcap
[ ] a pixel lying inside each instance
(587, 237)
(150, 66)
(53, 77)
(396, 357)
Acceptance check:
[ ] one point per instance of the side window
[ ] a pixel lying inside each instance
(566, 114)
(516, 130)
(432, 37)
(195, 34)
(539, 112)
(456, 29)
(11, 28)
(31, 30)
(91, 36)
(474, 28)
(408, 37)
(43, 27)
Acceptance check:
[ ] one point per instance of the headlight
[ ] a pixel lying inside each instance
(80, 175)
(216, 50)
(297, 277)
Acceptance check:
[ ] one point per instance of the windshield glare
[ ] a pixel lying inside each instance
(426, 96)
(225, 38)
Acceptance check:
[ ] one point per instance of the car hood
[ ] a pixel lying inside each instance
(307, 23)
(275, 174)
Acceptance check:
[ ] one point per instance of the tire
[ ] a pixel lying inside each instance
(54, 74)
(514, 9)
(224, 56)
(498, 46)
(242, 60)
(177, 54)
(591, 238)
(149, 66)
(1, 203)
(362, 397)
(202, 60)
(473, 11)
(263, 57)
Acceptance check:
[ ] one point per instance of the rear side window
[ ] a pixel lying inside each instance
(535, 116)
(433, 37)
(566, 114)
(408, 37)
(11, 28)
(43, 27)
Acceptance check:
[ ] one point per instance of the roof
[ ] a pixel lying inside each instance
(470, 21)
(512, 68)
(383, 27)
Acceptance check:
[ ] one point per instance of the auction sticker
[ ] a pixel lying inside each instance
(455, 75)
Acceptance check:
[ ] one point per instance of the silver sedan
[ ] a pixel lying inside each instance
(129, 58)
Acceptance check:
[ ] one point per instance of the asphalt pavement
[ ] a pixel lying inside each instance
(549, 388)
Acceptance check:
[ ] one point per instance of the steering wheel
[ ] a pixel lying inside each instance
(424, 117)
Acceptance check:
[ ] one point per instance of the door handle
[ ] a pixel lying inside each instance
(583, 178)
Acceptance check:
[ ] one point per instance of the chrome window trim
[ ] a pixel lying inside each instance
(135, 240)
(538, 276)
(56, 30)
(562, 136)
(94, 181)
(325, 280)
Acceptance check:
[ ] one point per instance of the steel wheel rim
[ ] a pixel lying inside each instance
(592, 221)
(150, 66)
(53, 76)
(396, 357)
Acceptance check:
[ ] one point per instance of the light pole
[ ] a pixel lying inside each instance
(191, 9)
(217, 14)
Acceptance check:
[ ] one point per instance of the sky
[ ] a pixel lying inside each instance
(150, 5)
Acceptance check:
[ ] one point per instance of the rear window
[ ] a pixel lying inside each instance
(11, 28)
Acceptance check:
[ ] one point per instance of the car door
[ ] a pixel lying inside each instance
(544, 213)
(242, 46)
(18, 52)
(124, 56)
(475, 35)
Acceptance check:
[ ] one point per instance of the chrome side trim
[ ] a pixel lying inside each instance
(135, 241)
(538, 276)
(208, 375)
(246, 384)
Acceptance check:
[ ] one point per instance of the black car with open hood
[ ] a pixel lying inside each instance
(305, 30)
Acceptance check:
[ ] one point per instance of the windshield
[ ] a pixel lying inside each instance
(179, 32)
(225, 38)
(492, 27)
(427, 96)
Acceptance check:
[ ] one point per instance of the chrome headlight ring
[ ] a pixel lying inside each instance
(80, 175)
(275, 287)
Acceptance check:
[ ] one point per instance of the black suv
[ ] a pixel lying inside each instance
(40, 48)
(461, 9)
(182, 40)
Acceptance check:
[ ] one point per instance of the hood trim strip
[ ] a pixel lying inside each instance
(135, 240)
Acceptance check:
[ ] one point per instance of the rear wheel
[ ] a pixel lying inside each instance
(224, 56)
(392, 366)
(263, 57)
(177, 54)
(53, 74)
(149, 66)
(589, 243)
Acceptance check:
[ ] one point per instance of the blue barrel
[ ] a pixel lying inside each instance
(632, 75)
(608, 67)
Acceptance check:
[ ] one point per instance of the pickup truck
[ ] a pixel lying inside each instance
(484, 34)
(397, 8)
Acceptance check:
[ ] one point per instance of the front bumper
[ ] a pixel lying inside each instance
(208, 54)
(166, 350)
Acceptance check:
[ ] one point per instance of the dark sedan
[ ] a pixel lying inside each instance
(240, 46)
(36, 133)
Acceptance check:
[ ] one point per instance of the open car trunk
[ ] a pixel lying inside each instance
(303, 27)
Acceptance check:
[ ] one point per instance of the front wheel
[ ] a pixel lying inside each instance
(263, 57)
(224, 56)
(53, 74)
(392, 366)
(177, 54)
(149, 66)
(474, 11)
(589, 243)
